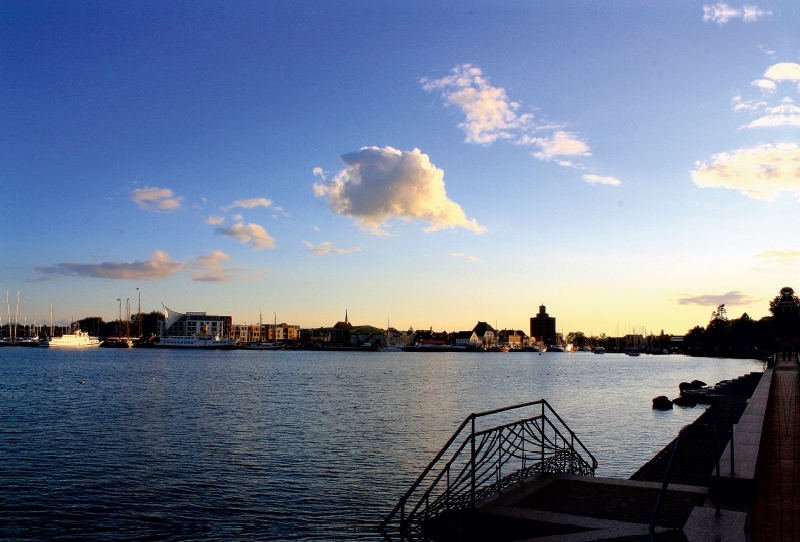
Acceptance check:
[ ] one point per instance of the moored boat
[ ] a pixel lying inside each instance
(196, 341)
(77, 339)
(263, 346)
(599, 350)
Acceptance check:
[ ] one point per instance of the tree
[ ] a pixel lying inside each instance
(785, 309)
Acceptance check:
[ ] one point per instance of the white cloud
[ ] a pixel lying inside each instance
(215, 220)
(785, 258)
(327, 247)
(156, 199)
(721, 13)
(248, 203)
(737, 104)
(490, 115)
(159, 266)
(559, 144)
(237, 216)
(384, 184)
(319, 173)
(783, 71)
(786, 114)
(206, 268)
(465, 257)
(315, 228)
(735, 298)
(209, 268)
(591, 178)
(753, 13)
(250, 233)
(761, 172)
(767, 86)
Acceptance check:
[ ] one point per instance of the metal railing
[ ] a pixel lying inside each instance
(477, 463)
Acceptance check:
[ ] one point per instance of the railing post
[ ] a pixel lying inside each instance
(716, 457)
(402, 519)
(522, 472)
(663, 493)
(472, 464)
(447, 494)
(541, 435)
(571, 452)
(733, 472)
(499, 461)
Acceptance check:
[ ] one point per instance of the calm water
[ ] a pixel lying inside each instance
(174, 445)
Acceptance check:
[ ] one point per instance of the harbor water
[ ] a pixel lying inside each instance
(286, 445)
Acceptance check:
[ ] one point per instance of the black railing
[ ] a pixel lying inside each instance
(477, 463)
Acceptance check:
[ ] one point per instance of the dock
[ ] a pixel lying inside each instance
(731, 476)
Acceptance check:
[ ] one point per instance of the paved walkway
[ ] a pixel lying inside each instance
(776, 513)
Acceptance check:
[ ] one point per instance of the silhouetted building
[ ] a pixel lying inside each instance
(543, 327)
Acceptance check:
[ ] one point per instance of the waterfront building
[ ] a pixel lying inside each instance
(465, 338)
(178, 324)
(513, 338)
(485, 334)
(543, 327)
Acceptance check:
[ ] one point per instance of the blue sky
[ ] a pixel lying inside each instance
(625, 163)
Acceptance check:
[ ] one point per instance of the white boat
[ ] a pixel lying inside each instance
(586, 349)
(599, 350)
(556, 348)
(538, 347)
(389, 348)
(195, 341)
(78, 339)
(263, 346)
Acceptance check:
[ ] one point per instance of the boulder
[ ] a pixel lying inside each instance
(662, 403)
(698, 384)
(685, 401)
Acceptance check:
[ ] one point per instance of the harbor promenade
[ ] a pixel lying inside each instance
(754, 494)
(776, 513)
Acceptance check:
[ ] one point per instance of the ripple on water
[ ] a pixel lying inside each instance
(173, 445)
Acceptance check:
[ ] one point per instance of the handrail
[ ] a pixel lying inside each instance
(476, 466)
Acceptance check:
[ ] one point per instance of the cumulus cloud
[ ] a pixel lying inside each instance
(463, 256)
(156, 199)
(249, 233)
(159, 266)
(737, 104)
(490, 115)
(783, 71)
(784, 258)
(319, 173)
(786, 114)
(721, 13)
(761, 172)
(591, 178)
(327, 247)
(248, 203)
(559, 144)
(767, 86)
(215, 220)
(209, 268)
(379, 185)
(237, 216)
(735, 298)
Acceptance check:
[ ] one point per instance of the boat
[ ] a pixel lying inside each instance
(599, 350)
(556, 348)
(586, 349)
(536, 348)
(77, 339)
(632, 353)
(389, 348)
(263, 346)
(117, 342)
(207, 342)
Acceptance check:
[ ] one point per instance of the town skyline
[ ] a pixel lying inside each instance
(625, 164)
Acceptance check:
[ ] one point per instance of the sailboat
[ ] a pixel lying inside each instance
(388, 347)
(265, 345)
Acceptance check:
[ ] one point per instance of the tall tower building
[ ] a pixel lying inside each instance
(543, 327)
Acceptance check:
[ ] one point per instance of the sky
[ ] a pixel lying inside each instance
(427, 164)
